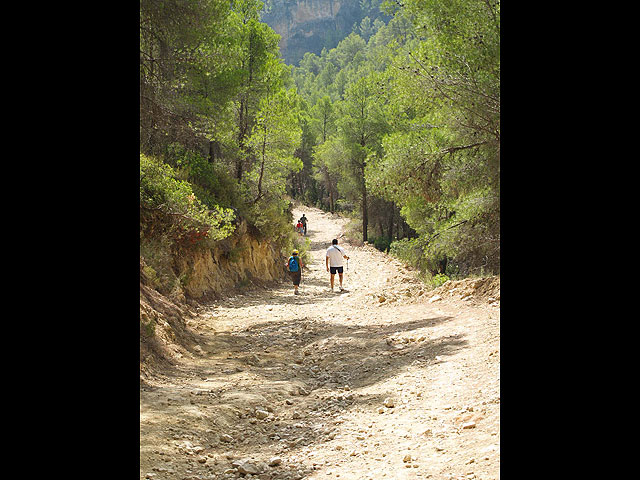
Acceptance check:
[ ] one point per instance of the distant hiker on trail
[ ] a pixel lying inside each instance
(335, 254)
(303, 220)
(299, 228)
(294, 266)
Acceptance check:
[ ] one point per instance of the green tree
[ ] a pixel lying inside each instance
(362, 124)
(323, 118)
(446, 119)
(274, 138)
(178, 42)
(257, 56)
(330, 160)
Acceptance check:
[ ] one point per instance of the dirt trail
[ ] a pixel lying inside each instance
(384, 381)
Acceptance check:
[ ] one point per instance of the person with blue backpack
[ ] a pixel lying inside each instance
(294, 266)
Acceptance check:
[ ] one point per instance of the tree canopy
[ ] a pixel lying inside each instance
(398, 126)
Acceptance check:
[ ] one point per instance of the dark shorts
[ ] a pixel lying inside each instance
(335, 269)
(295, 277)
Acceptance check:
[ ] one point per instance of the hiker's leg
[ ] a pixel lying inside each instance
(296, 281)
(332, 277)
(340, 276)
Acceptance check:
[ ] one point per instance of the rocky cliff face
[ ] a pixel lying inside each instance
(239, 260)
(310, 25)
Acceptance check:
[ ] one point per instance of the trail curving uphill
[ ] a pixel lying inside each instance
(384, 381)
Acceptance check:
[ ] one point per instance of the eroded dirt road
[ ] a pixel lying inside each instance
(384, 381)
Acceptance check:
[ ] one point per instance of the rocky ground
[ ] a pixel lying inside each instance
(384, 381)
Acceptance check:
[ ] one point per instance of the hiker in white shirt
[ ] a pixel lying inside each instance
(335, 254)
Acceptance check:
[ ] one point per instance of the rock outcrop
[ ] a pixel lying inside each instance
(239, 260)
(310, 25)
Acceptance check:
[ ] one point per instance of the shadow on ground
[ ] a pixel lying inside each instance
(298, 370)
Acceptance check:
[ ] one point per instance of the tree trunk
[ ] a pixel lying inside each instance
(214, 150)
(241, 134)
(365, 214)
(239, 169)
(264, 148)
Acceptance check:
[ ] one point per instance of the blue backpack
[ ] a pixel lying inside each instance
(293, 264)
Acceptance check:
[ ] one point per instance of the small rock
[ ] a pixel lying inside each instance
(407, 458)
(435, 298)
(469, 425)
(246, 467)
(262, 414)
(226, 438)
(275, 461)
(254, 360)
(389, 403)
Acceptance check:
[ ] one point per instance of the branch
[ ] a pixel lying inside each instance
(174, 214)
(446, 95)
(461, 147)
(448, 228)
(493, 14)
(453, 149)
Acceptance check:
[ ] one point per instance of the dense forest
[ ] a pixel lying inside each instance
(397, 126)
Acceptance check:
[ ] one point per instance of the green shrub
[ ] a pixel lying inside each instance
(381, 243)
(439, 279)
(211, 182)
(169, 206)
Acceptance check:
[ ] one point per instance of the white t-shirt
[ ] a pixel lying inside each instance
(335, 254)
